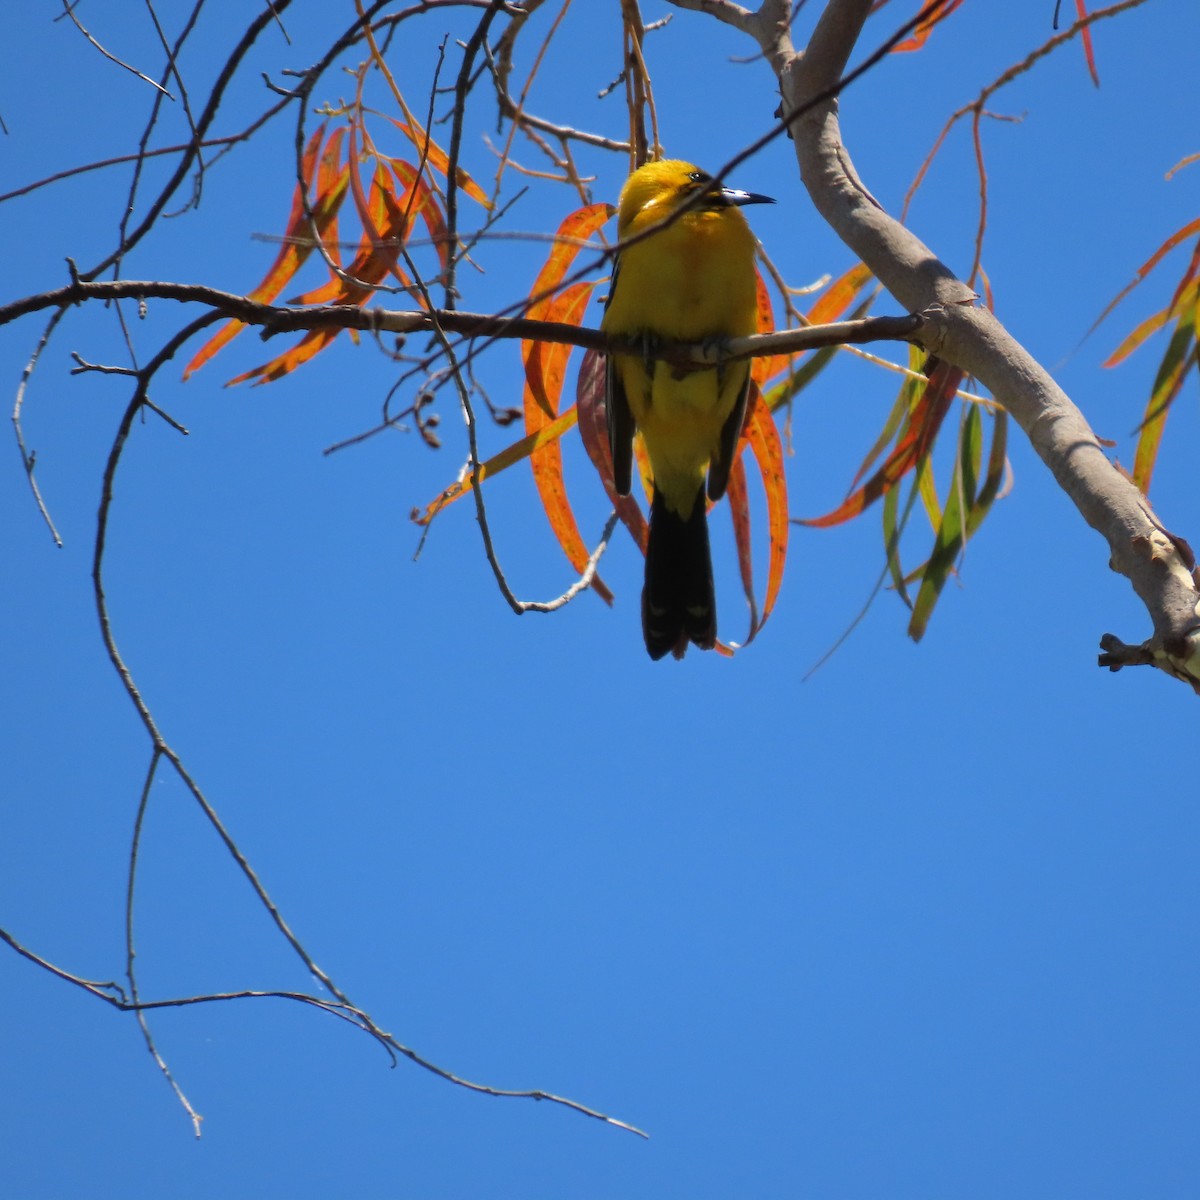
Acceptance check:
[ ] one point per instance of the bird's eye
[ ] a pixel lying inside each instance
(698, 177)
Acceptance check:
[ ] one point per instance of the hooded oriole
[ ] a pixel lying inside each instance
(691, 280)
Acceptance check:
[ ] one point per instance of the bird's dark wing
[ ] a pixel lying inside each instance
(722, 462)
(620, 419)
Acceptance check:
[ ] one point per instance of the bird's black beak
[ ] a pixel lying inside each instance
(734, 196)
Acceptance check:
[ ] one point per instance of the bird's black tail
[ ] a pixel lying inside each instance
(678, 603)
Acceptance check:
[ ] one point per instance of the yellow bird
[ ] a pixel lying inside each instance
(692, 280)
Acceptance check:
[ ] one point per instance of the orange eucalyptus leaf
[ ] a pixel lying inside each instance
(800, 370)
(333, 180)
(546, 362)
(832, 306)
(332, 175)
(421, 196)
(361, 203)
(545, 372)
(217, 342)
(920, 35)
(545, 367)
(1089, 51)
(329, 188)
(1180, 235)
(569, 239)
(497, 463)
(391, 225)
(313, 342)
(761, 369)
(838, 297)
(762, 436)
(913, 445)
(328, 293)
(376, 251)
(1174, 240)
(739, 511)
(376, 256)
(440, 161)
(1183, 299)
(1133, 339)
(943, 385)
(385, 230)
(892, 471)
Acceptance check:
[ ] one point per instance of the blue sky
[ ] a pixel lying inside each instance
(923, 925)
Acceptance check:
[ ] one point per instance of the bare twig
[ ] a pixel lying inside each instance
(69, 11)
(977, 110)
(161, 749)
(277, 320)
(130, 953)
(462, 89)
(29, 457)
(112, 993)
(583, 582)
(211, 108)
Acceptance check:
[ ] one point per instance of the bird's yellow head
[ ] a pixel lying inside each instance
(657, 189)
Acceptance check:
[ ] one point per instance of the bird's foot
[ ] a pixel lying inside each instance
(716, 351)
(651, 350)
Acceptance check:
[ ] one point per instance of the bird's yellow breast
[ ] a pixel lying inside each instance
(692, 280)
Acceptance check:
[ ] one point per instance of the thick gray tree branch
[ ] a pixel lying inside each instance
(1158, 564)
(769, 26)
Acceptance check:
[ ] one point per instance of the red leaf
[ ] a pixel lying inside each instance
(914, 444)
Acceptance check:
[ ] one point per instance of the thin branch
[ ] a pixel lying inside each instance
(162, 749)
(268, 16)
(462, 89)
(130, 953)
(277, 320)
(69, 11)
(152, 123)
(119, 160)
(29, 457)
(113, 994)
(769, 26)
(976, 108)
(686, 354)
(533, 127)
(583, 582)
(723, 10)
